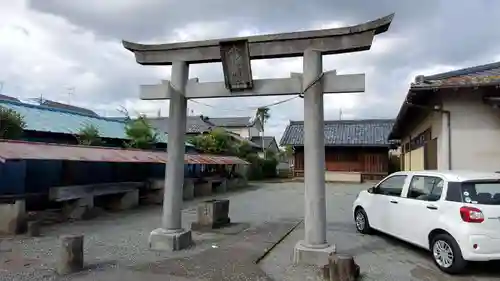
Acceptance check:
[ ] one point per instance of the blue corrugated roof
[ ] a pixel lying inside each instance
(46, 119)
(370, 132)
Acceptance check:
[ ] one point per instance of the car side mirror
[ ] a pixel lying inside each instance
(371, 190)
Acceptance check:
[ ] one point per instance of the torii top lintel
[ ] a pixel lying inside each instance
(329, 41)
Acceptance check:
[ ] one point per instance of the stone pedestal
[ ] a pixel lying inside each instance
(311, 255)
(70, 258)
(79, 208)
(188, 190)
(165, 240)
(203, 189)
(212, 214)
(13, 217)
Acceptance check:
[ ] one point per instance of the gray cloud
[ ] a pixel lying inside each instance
(424, 34)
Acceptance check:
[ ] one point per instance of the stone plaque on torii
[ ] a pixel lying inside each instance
(235, 54)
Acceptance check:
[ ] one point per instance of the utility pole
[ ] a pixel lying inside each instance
(71, 91)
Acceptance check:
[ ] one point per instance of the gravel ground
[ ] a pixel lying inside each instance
(119, 240)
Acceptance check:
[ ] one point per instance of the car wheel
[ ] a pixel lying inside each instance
(447, 255)
(361, 220)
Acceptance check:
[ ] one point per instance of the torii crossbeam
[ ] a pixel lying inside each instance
(235, 55)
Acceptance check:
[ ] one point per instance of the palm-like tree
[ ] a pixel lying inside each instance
(263, 116)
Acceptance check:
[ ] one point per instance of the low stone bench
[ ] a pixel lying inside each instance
(203, 188)
(79, 199)
(155, 190)
(208, 185)
(236, 183)
(12, 216)
(220, 185)
(188, 189)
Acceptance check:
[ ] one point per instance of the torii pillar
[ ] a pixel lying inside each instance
(235, 55)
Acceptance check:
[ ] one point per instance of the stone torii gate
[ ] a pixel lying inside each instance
(235, 55)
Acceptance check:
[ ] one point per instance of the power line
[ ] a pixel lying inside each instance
(300, 95)
(248, 108)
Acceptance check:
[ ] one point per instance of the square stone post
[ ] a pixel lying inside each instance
(314, 249)
(171, 235)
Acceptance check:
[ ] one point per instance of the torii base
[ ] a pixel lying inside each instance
(304, 255)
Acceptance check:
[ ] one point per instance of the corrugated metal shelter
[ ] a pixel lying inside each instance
(19, 150)
(41, 118)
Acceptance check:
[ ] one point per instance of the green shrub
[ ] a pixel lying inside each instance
(11, 124)
(141, 133)
(89, 135)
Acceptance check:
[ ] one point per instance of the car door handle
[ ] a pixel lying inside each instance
(431, 207)
(394, 202)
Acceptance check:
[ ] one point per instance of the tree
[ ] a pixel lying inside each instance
(263, 116)
(141, 134)
(12, 124)
(217, 141)
(89, 135)
(270, 154)
(287, 151)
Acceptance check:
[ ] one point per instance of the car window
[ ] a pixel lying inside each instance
(392, 186)
(425, 188)
(481, 192)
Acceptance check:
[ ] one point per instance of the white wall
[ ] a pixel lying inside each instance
(475, 132)
(243, 132)
(254, 132)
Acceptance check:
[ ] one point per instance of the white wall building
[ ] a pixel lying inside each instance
(451, 121)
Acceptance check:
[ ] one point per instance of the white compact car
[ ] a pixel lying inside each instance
(454, 214)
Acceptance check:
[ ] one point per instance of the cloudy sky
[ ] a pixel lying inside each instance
(54, 47)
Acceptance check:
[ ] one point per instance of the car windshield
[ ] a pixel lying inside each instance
(481, 192)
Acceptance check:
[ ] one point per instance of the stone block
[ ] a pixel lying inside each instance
(203, 189)
(188, 189)
(341, 268)
(305, 255)
(70, 257)
(212, 214)
(125, 201)
(165, 240)
(34, 228)
(13, 217)
(222, 187)
(79, 208)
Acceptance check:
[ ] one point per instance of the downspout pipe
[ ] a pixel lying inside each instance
(448, 129)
